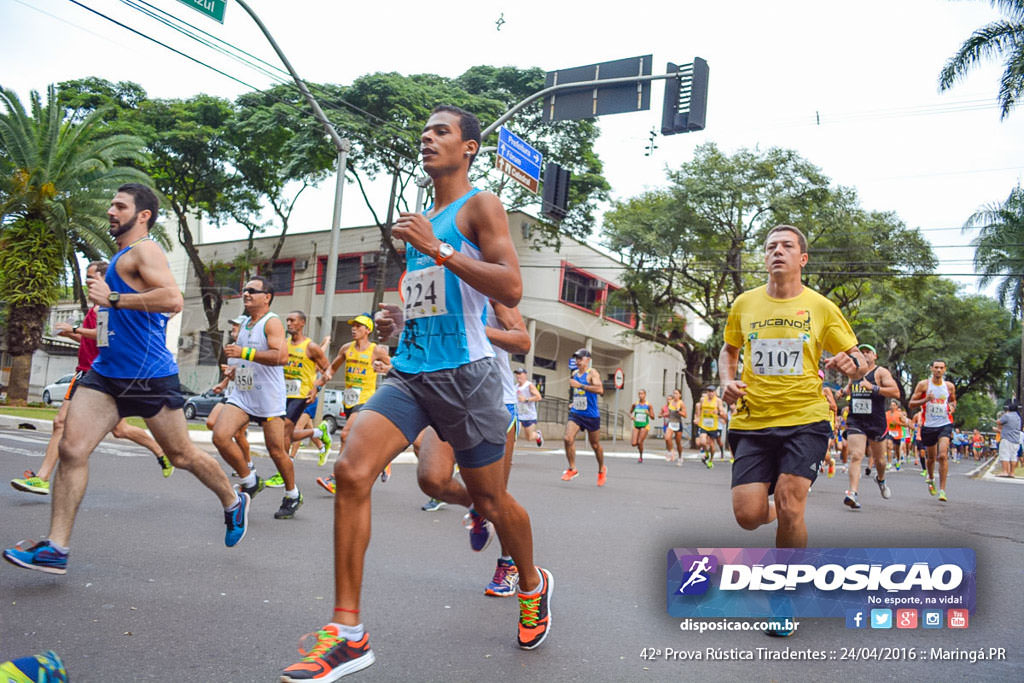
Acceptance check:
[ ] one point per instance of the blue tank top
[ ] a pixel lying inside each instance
(441, 332)
(136, 340)
(584, 403)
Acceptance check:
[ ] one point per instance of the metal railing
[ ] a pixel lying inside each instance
(555, 409)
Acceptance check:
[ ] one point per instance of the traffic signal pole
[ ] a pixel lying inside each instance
(568, 87)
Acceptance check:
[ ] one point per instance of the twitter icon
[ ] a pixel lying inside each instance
(881, 618)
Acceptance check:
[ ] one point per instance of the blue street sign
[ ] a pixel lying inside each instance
(519, 153)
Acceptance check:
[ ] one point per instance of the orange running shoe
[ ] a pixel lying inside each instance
(831, 469)
(602, 476)
(535, 613)
(570, 474)
(327, 483)
(330, 658)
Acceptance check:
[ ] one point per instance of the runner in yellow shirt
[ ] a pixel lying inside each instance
(363, 361)
(780, 427)
(709, 416)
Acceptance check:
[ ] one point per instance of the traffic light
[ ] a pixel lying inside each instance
(555, 195)
(686, 98)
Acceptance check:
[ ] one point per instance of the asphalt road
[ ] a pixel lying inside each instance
(152, 594)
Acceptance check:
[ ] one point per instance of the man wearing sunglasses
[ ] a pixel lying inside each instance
(256, 362)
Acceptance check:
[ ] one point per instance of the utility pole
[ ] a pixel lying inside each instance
(343, 146)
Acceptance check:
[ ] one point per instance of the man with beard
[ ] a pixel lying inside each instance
(134, 374)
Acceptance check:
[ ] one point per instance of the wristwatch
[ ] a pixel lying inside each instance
(114, 298)
(444, 252)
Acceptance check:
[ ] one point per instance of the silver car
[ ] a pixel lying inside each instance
(53, 394)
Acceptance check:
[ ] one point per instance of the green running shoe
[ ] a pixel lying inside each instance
(32, 484)
(165, 465)
(275, 482)
(325, 439)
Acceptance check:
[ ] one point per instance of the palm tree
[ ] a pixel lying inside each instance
(56, 178)
(999, 255)
(1000, 39)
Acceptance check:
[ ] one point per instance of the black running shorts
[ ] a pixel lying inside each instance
(763, 454)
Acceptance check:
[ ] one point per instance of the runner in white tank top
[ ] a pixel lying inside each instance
(937, 398)
(256, 362)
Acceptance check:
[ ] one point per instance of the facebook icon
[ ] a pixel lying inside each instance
(855, 618)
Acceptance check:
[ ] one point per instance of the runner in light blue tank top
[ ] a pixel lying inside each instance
(444, 376)
(447, 330)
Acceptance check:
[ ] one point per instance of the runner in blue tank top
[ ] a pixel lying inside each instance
(586, 385)
(444, 375)
(133, 375)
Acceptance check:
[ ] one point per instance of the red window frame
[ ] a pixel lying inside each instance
(321, 268)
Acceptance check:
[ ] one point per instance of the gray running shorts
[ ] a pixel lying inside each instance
(462, 404)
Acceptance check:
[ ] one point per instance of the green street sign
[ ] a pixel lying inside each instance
(211, 8)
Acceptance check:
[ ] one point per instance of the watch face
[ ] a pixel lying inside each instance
(446, 250)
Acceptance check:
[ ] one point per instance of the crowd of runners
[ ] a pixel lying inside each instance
(449, 392)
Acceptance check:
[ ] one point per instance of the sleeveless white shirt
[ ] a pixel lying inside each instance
(936, 410)
(259, 389)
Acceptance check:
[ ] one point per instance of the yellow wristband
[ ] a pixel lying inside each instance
(248, 353)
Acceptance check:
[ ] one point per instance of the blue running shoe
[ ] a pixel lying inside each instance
(237, 521)
(44, 668)
(481, 531)
(433, 505)
(505, 581)
(42, 557)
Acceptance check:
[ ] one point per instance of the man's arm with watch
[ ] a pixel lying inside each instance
(161, 296)
(484, 222)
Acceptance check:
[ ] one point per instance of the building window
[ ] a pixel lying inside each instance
(281, 276)
(228, 280)
(580, 289)
(616, 309)
(349, 277)
(394, 272)
(545, 363)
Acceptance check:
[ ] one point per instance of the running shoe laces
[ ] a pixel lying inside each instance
(529, 610)
(325, 640)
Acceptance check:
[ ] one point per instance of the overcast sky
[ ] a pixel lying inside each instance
(851, 86)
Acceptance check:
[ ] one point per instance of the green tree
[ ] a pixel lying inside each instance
(1003, 39)
(999, 257)
(188, 160)
(694, 246)
(278, 152)
(914, 321)
(383, 114)
(976, 411)
(568, 143)
(56, 179)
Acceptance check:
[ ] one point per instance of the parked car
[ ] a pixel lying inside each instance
(54, 393)
(333, 410)
(202, 405)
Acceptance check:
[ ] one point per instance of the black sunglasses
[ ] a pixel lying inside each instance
(250, 290)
